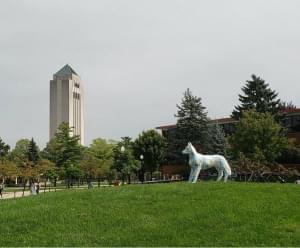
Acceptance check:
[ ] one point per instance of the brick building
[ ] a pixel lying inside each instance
(291, 121)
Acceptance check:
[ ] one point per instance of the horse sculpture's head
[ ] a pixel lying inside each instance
(188, 149)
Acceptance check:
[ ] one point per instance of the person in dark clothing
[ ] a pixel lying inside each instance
(37, 188)
(1, 189)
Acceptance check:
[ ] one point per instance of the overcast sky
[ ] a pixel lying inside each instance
(136, 58)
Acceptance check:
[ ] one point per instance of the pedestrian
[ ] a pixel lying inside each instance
(37, 188)
(33, 189)
(1, 189)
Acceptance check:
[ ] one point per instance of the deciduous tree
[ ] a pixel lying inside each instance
(4, 149)
(124, 160)
(98, 158)
(152, 146)
(20, 153)
(8, 170)
(258, 137)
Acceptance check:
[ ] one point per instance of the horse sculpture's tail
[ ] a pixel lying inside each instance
(226, 167)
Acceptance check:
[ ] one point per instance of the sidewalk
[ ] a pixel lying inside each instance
(8, 195)
(18, 194)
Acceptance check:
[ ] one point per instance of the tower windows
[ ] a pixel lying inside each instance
(76, 95)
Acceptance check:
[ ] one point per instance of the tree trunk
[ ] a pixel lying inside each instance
(24, 186)
(129, 179)
(249, 180)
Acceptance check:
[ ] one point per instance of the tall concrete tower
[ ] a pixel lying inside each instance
(66, 101)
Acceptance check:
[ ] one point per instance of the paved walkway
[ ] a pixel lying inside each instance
(7, 195)
(18, 194)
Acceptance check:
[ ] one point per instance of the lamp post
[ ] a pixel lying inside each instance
(141, 175)
(122, 151)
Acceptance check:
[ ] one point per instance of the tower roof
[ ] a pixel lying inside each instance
(66, 70)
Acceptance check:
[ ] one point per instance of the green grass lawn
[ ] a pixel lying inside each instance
(179, 214)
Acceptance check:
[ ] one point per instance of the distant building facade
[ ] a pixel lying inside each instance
(290, 121)
(67, 102)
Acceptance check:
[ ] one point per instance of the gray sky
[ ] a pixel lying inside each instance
(137, 57)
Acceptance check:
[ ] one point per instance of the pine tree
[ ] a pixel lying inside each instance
(64, 149)
(216, 142)
(191, 126)
(33, 152)
(257, 96)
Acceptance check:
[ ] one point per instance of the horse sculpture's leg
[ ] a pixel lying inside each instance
(196, 175)
(225, 176)
(192, 174)
(220, 174)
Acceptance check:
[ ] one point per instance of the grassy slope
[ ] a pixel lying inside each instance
(203, 214)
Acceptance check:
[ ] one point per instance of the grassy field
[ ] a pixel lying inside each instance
(179, 214)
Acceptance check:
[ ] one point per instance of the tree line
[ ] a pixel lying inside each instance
(64, 158)
(256, 147)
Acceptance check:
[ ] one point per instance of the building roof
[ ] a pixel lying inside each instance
(66, 70)
(166, 127)
(224, 120)
(229, 119)
(291, 110)
(219, 121)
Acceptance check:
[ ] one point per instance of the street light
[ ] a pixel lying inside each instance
(141, 174)
(122, 149)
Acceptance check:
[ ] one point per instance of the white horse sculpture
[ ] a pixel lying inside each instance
(199, 161)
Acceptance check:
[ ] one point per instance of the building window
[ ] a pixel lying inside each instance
(76, 85)
(76, 95)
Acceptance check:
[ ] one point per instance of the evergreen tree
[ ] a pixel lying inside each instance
(191, 126)
(64, 149)
(257, 96)
(33, 152)
(216, 142)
